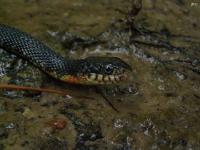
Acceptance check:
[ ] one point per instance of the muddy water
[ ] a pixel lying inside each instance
(158, 108)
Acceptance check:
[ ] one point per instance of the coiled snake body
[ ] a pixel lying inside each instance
(91, 70)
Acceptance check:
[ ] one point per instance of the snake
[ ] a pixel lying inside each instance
(92, 70)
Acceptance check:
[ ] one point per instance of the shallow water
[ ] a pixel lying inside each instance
(158, 109)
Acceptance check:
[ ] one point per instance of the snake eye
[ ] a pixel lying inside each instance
(109, 69)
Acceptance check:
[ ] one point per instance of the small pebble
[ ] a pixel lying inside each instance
(57, 123)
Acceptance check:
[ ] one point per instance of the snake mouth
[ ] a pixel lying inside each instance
(105, 79)
(94, 78)
(100, 79)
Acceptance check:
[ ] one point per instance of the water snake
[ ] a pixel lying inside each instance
(91, 70)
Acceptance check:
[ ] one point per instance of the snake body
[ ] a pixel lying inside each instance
(92, 70)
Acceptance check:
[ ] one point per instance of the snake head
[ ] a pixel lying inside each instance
(102, 70)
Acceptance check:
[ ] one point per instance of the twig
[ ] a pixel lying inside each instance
(106, 99)
(26, 88)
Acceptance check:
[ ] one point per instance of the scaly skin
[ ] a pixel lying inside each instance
(91, 70)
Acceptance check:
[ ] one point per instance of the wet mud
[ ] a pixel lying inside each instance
(158, 108)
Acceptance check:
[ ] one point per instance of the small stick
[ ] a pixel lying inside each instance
(26, 88)
(98, 90)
